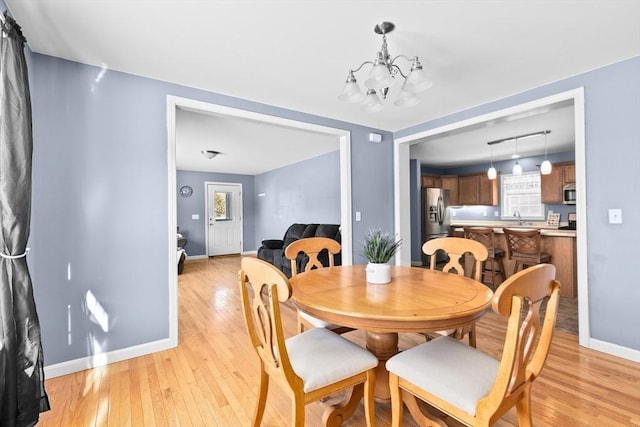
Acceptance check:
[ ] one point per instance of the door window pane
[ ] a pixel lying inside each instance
(223, 206)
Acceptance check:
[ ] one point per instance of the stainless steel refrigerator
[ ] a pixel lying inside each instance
(435, 217)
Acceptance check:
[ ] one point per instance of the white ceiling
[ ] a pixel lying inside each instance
(296, 54)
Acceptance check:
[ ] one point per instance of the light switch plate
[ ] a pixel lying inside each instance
(357, 216)
(615, 216)
(195, 216)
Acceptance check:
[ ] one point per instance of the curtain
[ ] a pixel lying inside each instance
(22, 393)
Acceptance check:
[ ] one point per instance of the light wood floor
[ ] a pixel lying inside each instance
(210, 379)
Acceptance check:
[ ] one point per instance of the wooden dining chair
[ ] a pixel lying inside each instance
(493, 267)
(469, 385)
(315, 249)
(525, 247)
(311, 365)
(456, 248)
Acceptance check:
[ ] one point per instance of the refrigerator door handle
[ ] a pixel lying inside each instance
(440, 214)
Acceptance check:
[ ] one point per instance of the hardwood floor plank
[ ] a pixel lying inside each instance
(210, 379)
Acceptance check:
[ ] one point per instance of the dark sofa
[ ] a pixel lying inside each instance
(272, 250)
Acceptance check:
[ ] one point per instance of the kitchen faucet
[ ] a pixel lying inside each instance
(517, 215)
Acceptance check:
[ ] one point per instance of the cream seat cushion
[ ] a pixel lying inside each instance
(448, 369)
(321, 357)
(317, 323)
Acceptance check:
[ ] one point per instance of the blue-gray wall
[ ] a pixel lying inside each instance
(612, 133)
(307, 192)
(195, 229)
(100, 205)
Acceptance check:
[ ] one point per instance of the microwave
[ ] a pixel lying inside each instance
(569, 194)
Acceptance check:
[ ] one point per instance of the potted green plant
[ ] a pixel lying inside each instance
(378, 248)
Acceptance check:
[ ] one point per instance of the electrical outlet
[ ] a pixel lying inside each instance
(357, 216)
(496, 214)
(484, 213)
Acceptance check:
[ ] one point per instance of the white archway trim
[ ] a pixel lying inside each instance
(402, 202)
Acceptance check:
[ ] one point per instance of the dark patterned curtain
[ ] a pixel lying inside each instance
(22, 393)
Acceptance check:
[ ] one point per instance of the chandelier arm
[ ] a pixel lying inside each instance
(397, 67)
(402, 56)
(394, 66)
(362, 65)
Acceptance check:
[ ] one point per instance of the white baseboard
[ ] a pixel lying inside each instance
(615, 350)
(103, 359)
(194, 257)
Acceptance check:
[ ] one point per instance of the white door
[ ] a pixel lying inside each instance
(224, 212)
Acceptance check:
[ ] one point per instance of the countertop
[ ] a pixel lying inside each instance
(545, 229)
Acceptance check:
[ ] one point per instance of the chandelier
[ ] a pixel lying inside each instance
(382, 76)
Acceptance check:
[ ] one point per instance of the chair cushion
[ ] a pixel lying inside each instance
(321, 357)
(448, 369)
(317, 323)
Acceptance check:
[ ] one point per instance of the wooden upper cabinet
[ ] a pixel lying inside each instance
(569, 173)
(477, 189)
(551, 186)
(450, 182)
(468, 187)
(431, 181)
(488, 191)
(561, 174)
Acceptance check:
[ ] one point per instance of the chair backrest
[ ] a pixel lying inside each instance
(527, 340)
(262, 314)
(455, 248)
(484, 235)
(525, 242)
(312, 247)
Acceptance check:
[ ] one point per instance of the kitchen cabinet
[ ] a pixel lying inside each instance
(551, 185)
(477, 189)
(431, 181)
(569, 171)
(450, 182)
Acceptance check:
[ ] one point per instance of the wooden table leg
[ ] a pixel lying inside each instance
(383, 345)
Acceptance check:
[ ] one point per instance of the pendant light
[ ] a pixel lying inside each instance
(517, 169)
(545, 167)
(491, 173)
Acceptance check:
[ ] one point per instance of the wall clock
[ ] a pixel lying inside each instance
(186, 191)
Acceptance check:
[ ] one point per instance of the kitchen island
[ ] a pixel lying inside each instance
(560, 244)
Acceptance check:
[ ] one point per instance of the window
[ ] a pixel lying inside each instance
(223, 206)
(521, 194)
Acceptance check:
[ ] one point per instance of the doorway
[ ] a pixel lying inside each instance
(173, 104)
(224, 218)
(402, 181)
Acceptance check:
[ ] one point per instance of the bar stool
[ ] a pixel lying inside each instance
(525, 248)
(494, 265)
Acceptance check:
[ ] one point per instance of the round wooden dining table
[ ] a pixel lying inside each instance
(416, 300)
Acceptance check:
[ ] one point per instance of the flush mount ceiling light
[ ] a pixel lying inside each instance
(209, 154)
(383, 75)
(517, 169)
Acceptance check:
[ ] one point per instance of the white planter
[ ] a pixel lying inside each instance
(378, 273)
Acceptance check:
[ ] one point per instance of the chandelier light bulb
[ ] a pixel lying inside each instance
(545, 167)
